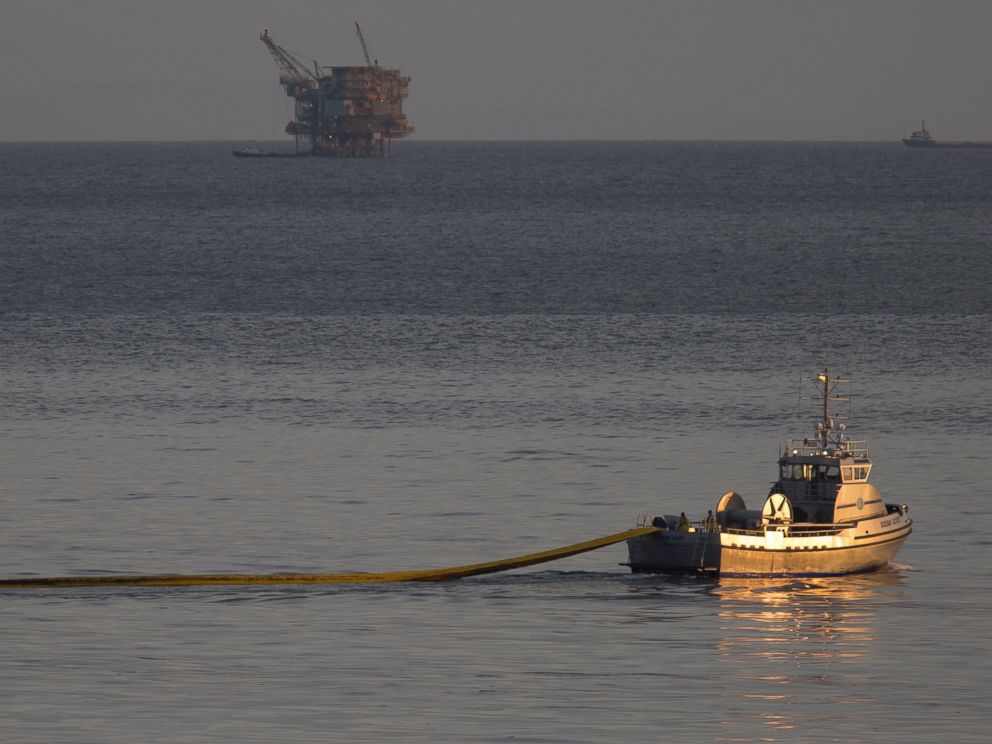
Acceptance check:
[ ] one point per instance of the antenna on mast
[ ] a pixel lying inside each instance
(829, 389)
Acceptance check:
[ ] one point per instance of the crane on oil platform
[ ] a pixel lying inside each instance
(300, 83)
(293, 74)
(365, 49)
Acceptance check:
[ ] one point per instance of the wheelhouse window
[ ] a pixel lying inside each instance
(856, 473)
(810, 472)
(792, 471)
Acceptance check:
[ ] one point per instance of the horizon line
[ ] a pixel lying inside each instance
(398, 141)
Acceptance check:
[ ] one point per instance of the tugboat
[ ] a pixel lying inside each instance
(821, 517)
(923, 138)
(920, 138)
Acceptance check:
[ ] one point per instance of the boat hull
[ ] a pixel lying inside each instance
(844, 556)
(774, 551)
(674, 551)
(262, 154)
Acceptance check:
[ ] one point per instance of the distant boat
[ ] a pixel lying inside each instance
(923, 138)
(258, 152)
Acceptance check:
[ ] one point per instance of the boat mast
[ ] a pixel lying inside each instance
(828, 421)
(830, 432)
(823, 380)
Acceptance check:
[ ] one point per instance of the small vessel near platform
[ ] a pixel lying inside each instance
(821, 517)
(257, 152)
(923, 138)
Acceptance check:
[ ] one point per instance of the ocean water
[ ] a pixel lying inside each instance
(470, 351)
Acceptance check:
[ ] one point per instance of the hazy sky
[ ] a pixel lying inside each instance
(507, 69)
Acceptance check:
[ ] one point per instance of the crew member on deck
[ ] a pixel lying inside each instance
(684, 525)
(709, 523)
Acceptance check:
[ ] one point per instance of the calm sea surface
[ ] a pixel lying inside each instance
(467, 352)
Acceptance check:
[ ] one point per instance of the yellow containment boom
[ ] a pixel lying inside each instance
(430, 574)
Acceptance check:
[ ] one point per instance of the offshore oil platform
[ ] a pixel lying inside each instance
(340, 111)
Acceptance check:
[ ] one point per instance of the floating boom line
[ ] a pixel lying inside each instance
(430, 574)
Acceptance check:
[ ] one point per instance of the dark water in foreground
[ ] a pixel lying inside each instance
(462, 353)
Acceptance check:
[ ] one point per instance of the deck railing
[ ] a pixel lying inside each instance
(811, 448)
(804, 530)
